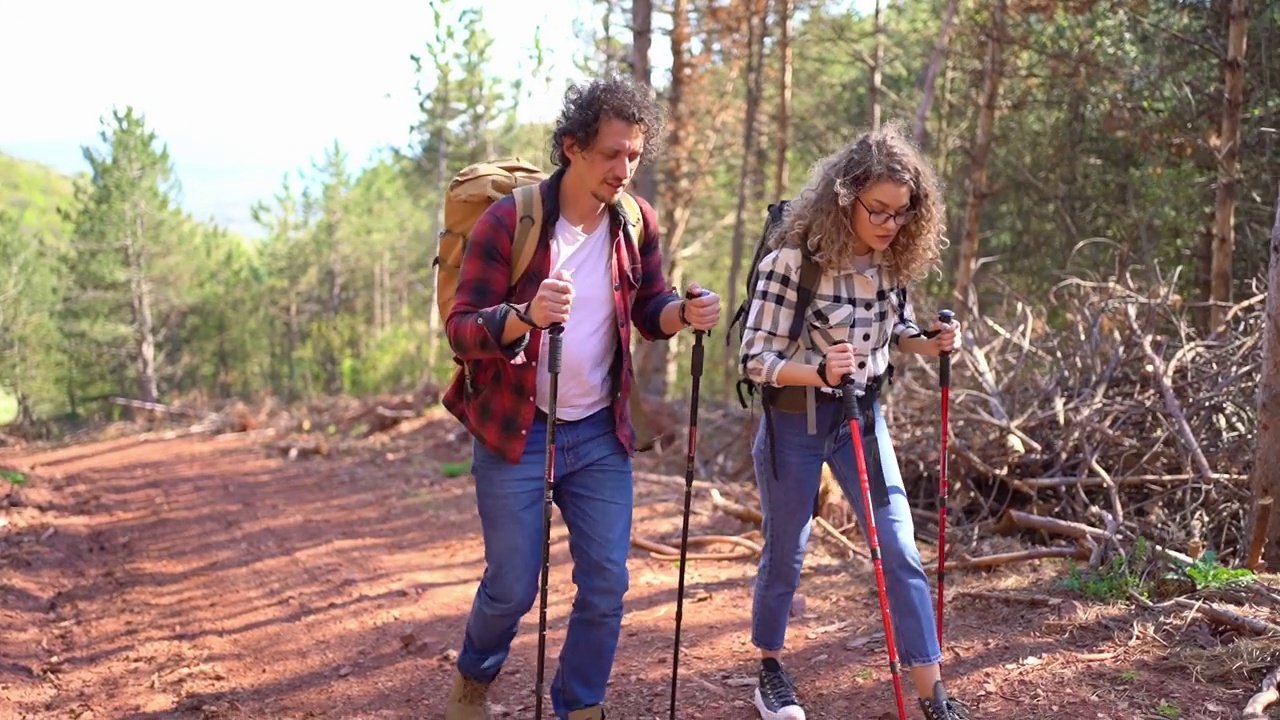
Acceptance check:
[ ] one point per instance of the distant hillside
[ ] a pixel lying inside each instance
(34, 192)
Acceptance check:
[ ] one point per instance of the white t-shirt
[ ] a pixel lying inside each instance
(590, 335)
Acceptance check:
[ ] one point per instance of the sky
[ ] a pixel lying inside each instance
(241, 92)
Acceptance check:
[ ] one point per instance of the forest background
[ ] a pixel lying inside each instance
(1111, 173)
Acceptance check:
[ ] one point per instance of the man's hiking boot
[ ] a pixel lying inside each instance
(776, 694)
(941, 707)
(595, 712)
(467, 700)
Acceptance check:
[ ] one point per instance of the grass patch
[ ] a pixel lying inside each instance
(1207, 572)
(1113, 581)
(13, 477)
(1142, 573)
(455, 469)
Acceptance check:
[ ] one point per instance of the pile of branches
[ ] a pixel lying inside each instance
(1110, 411)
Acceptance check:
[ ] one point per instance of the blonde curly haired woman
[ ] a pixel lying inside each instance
(871, 217)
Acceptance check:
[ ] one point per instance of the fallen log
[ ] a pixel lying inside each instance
(673, 480)
(1012, 520)
(160, 407)
(662, 551)
(840, 537)
(1235, 621)
(733, 509)
(1267, 694)
(1043, 483)
(991, 561)
(1022, 598)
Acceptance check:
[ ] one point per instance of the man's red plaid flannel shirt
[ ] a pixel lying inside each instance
(499, 407)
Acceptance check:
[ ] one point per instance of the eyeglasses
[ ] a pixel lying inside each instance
(878, 217)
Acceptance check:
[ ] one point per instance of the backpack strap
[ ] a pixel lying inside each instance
(632, 221)
(528, 228)
(631, 214)
(809, 274)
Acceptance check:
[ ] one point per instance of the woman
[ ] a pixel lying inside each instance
(872, 218)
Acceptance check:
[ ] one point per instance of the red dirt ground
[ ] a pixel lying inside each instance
(217, 578)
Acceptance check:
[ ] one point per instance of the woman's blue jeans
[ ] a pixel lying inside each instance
(787, 497)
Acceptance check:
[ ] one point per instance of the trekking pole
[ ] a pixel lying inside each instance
(944, 382)
(696, 371)
(549, 473)
(851, 414)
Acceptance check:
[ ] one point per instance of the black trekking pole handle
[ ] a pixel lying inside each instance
(848, 399)
(696, 364)
(555, 347)
(944, 359)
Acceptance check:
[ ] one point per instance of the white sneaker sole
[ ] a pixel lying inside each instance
(790, 712)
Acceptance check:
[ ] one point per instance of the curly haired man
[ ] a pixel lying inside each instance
(597, 280)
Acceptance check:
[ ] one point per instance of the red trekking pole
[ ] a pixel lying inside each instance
(944, 382)
(852, 414)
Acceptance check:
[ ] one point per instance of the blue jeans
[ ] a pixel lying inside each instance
(593, 491)
(787, 500)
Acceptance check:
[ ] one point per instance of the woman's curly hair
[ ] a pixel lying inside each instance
(617, 97)
(822, 214)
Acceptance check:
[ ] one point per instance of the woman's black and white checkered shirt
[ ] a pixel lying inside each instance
(861, 306)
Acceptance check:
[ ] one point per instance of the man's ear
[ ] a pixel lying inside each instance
(570, 148)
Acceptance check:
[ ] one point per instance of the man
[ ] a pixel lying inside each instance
(586, 275)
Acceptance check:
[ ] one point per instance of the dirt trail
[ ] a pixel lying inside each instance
(214, 578)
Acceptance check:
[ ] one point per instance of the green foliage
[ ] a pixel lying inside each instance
(1113, 581)
(8, 407)
(30, 350)
(124, 251)
(1106, 130)
(1207, 572)
(455, 469)
(13, 477)
(36, 195)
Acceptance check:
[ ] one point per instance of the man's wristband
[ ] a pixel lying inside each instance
(523, 316)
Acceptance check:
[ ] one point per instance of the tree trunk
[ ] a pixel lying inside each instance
(651, 358)
(755, 73)
(646, 183)
(333, 350)
(1266, 460)
(434, 322)
(991, 75)
(782, 132)
(876, 64)
(1228, 167)
(944, 122)
(291, 345)
(931, 73)
(143, 325)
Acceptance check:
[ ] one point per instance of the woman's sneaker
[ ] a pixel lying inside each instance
(776, 694)
(942, 707)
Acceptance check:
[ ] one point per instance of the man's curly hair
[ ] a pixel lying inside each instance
(822, 214)
(620, 98)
